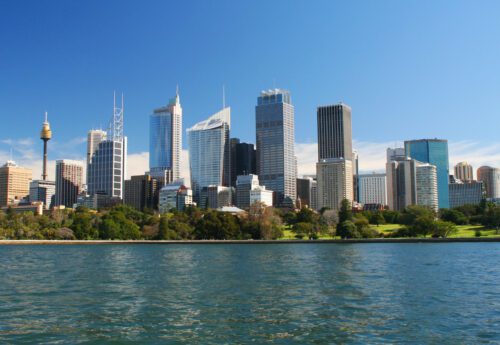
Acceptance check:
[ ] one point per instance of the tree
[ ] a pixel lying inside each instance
(491, 217)
(453, 216)
(444, 229)
(377, 218)
(347, 229)
(303, 229)
(345, 214)
(412, 212)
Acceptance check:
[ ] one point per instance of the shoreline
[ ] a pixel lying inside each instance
(324, 241)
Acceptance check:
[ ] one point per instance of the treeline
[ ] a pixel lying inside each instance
(125, 223)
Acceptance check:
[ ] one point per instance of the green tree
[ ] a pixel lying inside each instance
(377, 218)
(454, 216)
(345, 214)
(348, 229)
(444, 229)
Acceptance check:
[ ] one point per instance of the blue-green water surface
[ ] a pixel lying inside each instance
(242, 294)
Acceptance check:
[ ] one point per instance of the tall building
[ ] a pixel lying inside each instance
(216, 196)
(435, 152)
(464, 172)
(244, 185)
(334, 182)
(243, 159)
(275, 138)
(209, 152)
(396, 154)
(305, 191)
(427, 186)
(141, 192)
(68, 182)
(14, 183)
(165, 140)
(465, 193)
(43, 191)
(491, 179)
(372, 189)
(107, 159)
(355, 177)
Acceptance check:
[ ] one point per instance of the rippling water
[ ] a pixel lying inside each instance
(230, 294)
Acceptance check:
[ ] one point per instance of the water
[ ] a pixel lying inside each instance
(238, 294)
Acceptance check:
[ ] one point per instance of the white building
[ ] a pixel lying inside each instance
(175, 195)
(334, 182)
(261, 194)
(427, 190)
(43, 191)
(372, 189)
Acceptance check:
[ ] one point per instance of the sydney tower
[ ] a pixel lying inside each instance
(45, 135)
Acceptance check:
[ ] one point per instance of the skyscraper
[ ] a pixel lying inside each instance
(107, 158)
(209, 152)
(68, 182)
(372, 189)
(334, 169)
(435, 152)
(244, 185)
(141, 192)
(465, 193)
(242, 159)
(464, 172)
(165, 140)
(491, 179)
(14, 183)
(275, 138)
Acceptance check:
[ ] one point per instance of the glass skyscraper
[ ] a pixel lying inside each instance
(435, 152)
(275, 138)
(209, 152)
(165, 140)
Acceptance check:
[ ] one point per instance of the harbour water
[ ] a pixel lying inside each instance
(237, 294)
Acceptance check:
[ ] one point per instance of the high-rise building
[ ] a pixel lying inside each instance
(261, 195)
(491, 179)
(396, 154)
(435, 152)
(355, 177)
(244, 185)
(141, 192)
(209, 152)
(305, 191)
(68, 182)
(275, 134)
(243, 158)
(465, 193)
(372, 189)
(464, 172)
(107, 159)
(43, 191)
(334, 182)
(165, 140)
(216, 196)
(427, 186)
(14, 183)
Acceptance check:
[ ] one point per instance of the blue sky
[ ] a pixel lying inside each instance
(408, 69)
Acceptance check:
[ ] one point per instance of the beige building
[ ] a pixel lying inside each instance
(464, 172)
(334, 177)
(14, 183)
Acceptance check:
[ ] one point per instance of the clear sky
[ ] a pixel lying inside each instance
(409, 69)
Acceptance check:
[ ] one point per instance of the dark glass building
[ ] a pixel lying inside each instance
(243, 159)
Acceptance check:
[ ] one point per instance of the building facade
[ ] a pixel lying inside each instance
(491, 180)
(305, 191)
(275, 139)
(142, 192)
(261, 195)
(43, 191)
(209, 152)
(94, 138)
(216, 196)
(372, 189)
(334, 182)
(165, 140)
(243, 159)
(464, 172)
(465, 193)
(244, 185)
(14, 184)
(427, 186)
(68, 182)
(435, 152)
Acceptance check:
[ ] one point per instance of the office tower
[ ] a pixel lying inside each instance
(491, 179)
(396, 154)
(372, 189)
(94, 138)
(261, 195)
(334, 182)
(410, 182)
(464, 172)
(45, 135)
(334, 169)
(107, 159)
(216, 196)
(305, 191)
(244, 184)
(68, 182)
(141, 192)
(43, 191)
(243, 159)
(165, 140)
(276, 163)
(14, 183)
(465, 193)
(209, 152)
(355, 177)
(314, 195)
(435, 152)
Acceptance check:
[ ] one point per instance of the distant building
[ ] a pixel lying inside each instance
(464, 172)
(305, 191)
(14, 183)
(275, 141)
(261, 195)
(165, 141)
(465, 193)
(209, 152)
(243, 160)
(435, 152)
(97, 201)
(372, 189)
(334, 182)
(68, 182)
(175, 196)
(142, 192)
(94, 138)
(396, 154)
(491, 179)
(216, 196)
(355, 177)
(427, 186)
(244, 184)
(43, 191)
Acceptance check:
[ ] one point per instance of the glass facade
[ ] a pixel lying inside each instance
(435, 152)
